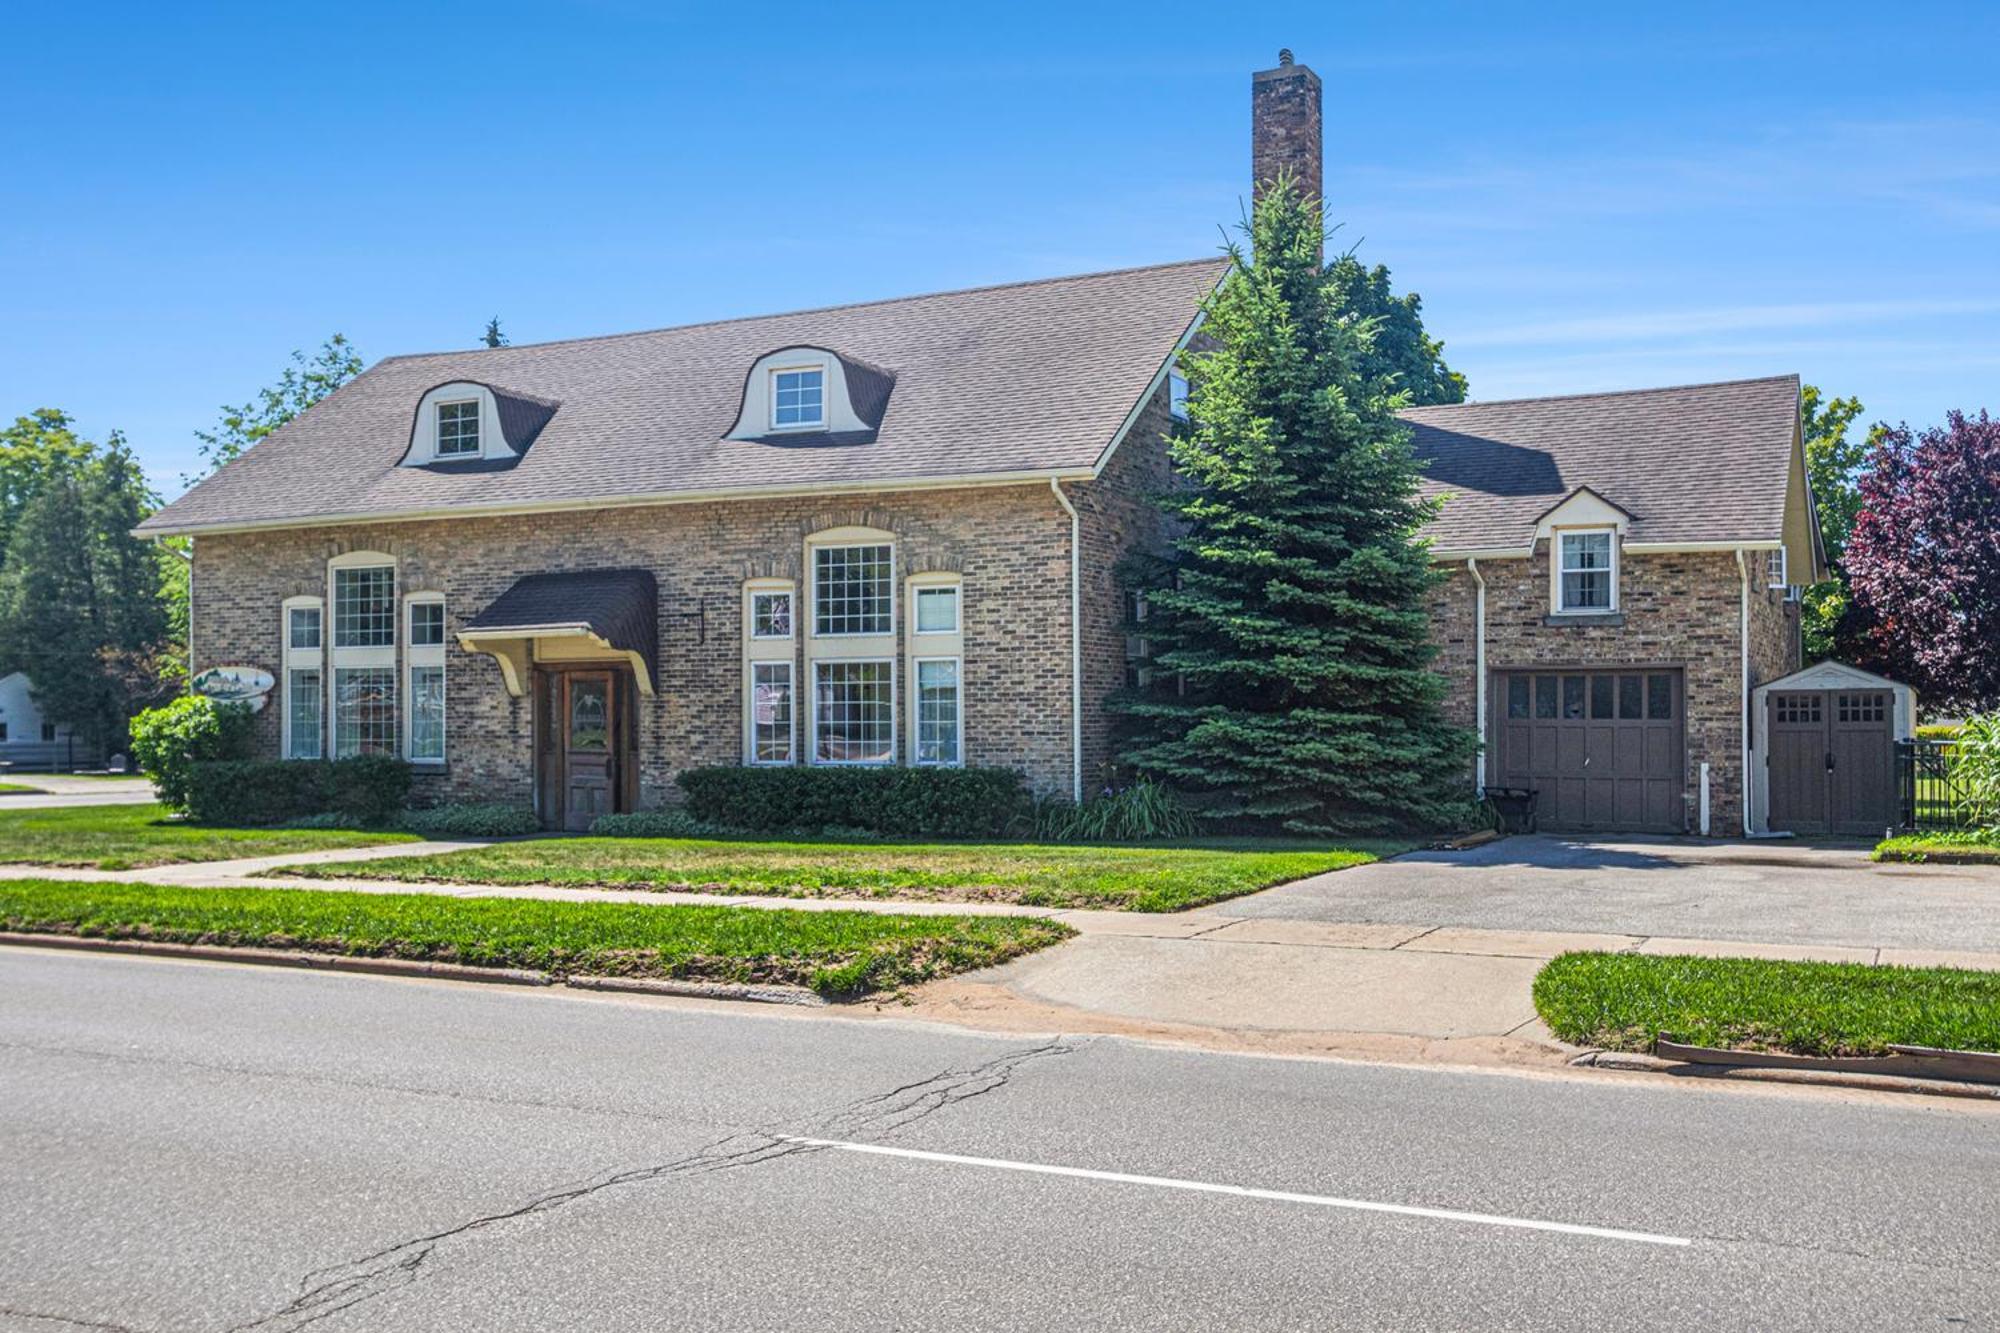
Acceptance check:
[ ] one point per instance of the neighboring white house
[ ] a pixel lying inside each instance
(27, 740)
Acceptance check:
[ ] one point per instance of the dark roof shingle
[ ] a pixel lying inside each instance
(1699, 463)
(1025, 378)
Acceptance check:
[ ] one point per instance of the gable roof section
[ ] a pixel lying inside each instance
(1028, 379)
(1700, 464)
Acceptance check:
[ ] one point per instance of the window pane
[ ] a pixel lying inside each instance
(364, 711)
(797, 397)
(1545, 696)
(427, 712)
(856, 717)
(1600, 696)
(1572, 696)
(305, 627)
(1660, 697)
(1631, 693)
(771, 712)
(589, 714)
(771, 615)
(852, 590)
(1587, 591)
(937, 610)
(1587, 550)
(457, 429)
(426, 623)
(364, 607)
(1517, 696)
(303, 703)
(937, 712)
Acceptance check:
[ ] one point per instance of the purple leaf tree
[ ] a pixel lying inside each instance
(1924, 563)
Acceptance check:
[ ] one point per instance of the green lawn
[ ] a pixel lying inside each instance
(1976, 848)
(836, 953)
(1140, 879)
(8, 787)
(1622, 1001)
(125, 837)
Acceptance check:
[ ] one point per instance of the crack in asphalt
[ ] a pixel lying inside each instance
(325, 1292)
(68, 1321)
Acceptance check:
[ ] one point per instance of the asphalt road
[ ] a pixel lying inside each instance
(215, 1147)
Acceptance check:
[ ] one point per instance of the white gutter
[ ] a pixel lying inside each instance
(1743, 739)
(1075, 640)
(1478, 668)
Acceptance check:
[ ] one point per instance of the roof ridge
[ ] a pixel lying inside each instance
(809, 310)
(1793, 376)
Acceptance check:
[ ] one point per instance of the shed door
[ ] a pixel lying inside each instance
(1604, 748)
(1832, 764)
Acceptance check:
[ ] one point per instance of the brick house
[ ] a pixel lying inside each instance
(889, 533)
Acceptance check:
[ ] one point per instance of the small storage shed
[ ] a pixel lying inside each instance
(1824, 742)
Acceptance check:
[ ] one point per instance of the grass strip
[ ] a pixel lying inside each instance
(129, 837)
(838, 954)
(1962, 848)
(1622, 1001)
(11, 788)
(1129, 878)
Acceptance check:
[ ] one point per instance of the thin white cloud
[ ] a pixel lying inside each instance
(1640, 326)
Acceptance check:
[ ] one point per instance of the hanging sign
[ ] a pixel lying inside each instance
(246, 685)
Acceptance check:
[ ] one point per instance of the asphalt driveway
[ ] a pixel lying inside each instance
(1781, 892)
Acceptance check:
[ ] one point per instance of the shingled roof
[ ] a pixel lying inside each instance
(1031, 378)
(1697, 464)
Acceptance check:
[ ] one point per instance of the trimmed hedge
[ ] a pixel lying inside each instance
(917, 802)
(650, 824)
(368, 789)
(488, 820)
(168, 741)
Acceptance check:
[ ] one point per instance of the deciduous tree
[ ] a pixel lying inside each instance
(298, 386)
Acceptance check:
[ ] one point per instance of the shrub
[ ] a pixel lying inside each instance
(366, 791)
(1938, 731)
(934, 802)
(168, 741)
(1975, 765)
(491, 820)
(1143, 812)
(649, 824)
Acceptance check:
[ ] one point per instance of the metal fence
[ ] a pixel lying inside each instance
(1931, 796)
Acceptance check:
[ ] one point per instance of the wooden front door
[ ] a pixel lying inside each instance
(1832, 765)
(582, 733)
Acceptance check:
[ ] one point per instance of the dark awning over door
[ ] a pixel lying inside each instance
(617, 609)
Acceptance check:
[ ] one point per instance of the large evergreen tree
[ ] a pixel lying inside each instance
(1291, 638)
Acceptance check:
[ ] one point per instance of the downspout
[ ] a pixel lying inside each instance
(1478, 670)
(1743, 692)
(1075, 640)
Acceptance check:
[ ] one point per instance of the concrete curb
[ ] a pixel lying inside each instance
(412, 967)
(1820, 1078)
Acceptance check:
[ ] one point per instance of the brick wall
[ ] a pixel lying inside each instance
(1009, 544)
(1677, 610)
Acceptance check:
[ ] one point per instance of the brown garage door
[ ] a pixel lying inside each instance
(1604, 748)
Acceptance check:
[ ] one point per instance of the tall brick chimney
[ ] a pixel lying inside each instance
(1285, 126)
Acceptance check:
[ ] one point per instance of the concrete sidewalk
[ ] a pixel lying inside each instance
(1407, 990)
(57, 791)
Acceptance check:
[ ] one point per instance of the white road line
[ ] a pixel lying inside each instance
(1243, 1191)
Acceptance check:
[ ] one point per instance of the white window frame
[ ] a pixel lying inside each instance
(1558, 566)
(916, 691)
(300, 659)
(374, 657)
(845, 542)
(753, 593)
(478, 449)
(750, 756)
(812, 739)
(1776, 569)
(427, 655)
(918, 587)
(815, 367)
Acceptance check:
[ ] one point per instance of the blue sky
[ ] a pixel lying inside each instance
(1586, 199)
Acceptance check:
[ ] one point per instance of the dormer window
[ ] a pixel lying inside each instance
(798, 398)
(458, 429)
(1587, 574)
